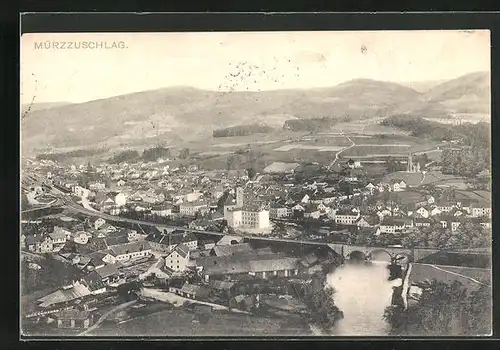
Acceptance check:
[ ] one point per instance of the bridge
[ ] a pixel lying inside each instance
(378, 253)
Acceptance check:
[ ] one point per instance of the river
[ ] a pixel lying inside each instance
(362, 293)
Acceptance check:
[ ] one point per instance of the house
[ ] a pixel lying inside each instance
(58, 239)
(178, 259)
(193, 196)
(40, 243)
(104, 230)
(434, 211)
(191, 208)
(278, 211)
(166, 242)
(260, 266)
(430, 199)
(223, 288)
(191, 291)
(131, 250)
(81, 191)
(101, 258)
(397, 185)
(371, 187)
(93, 186)
(312, 212)
(367, 221)
(422, 222)
(120, 199)
(242, 302)
(98, 223)
(444, 206)
(449, 222)
(108, 274)
(206, 245)
(64, 295)
(423, 212)
(231, 250)
(482, 208)
(74, 318)
(298, 210)
(250, 216)
(80, 237)
(346, 217)
(66, 233)
(161, 210)
(370, 231)
(392, 225)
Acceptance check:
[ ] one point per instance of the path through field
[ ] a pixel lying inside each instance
(344, 149)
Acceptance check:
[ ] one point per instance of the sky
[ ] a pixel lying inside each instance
(239, 61)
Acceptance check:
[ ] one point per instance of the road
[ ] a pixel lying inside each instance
(103, 317)
(343, 150)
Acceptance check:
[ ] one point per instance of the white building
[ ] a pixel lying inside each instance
(132, 250)
(81, 191)
(120, 199)
(191, 208)
(346, 218)
(248, 217)
(193, 196)
(423, 212)
(98, 223)
(178, 259)
(480, 211)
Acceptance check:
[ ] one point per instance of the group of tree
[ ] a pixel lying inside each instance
(63, 156)
(154, 153)
(52, 274)
(250, 159)
(318, 298)
(420, 127)
(466, 236)
(43, 227)
(242, 130)
(467, 162)
(314, 124)
(475, 135)
(124, 156)
(443, 310)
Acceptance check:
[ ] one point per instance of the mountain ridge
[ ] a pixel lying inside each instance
(183, 112)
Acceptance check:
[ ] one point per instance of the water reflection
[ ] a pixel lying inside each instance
(363, 291)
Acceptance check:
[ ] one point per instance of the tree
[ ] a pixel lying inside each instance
(443, 309)
(184, 153)
(322, 310)
(251, 173)
(279, 230)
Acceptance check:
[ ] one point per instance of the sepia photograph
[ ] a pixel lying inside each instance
(256, 184)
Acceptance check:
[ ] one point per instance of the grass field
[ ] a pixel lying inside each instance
(309, 147)
(374, 150)
(182, 323)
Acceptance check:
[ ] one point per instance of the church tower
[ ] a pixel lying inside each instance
(239, 197)
(410, 164)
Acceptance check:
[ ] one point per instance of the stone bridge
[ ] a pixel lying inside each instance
(379, 253)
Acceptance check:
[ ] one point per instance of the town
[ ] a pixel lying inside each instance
(106, 243)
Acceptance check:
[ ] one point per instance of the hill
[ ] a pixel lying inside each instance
(182, 113)
(176, 115)
(467, 97)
